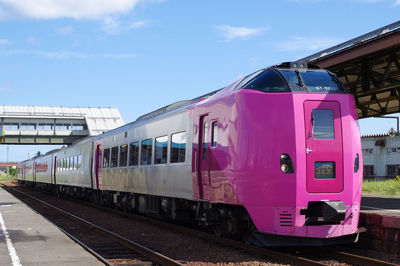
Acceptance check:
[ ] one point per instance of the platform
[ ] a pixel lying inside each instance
(26, 238)
(381, 216)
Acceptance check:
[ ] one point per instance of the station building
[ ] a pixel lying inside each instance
(381, 155)
(5, 165)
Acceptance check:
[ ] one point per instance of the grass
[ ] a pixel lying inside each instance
(5, 178)
(390, 187)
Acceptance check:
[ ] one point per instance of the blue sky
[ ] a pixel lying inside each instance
(140, 55)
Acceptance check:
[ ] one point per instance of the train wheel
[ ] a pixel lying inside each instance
(218, 230)
(247, 230)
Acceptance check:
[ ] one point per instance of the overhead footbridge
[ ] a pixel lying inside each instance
(369, 66)
(54, 125)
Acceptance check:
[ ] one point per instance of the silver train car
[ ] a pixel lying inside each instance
(140, 166)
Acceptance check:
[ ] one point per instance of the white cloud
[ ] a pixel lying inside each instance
(397, 3)
(229, 32)
(47, 54)
(120, 56)
(32, 40)
(65, 30)
(110, 25)
(60, 54)
(298, 43)
(77, 9)
(4, 42)
(139, 24)
(4, 90)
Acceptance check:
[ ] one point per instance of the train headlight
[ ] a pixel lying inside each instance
(286, 163)
(284, 168)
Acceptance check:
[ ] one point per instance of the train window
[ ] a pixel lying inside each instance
(106, 158)
(178, 147)
(268, 81)
(214, 134)
(247, 79)
(114, 157)
(322, 122)
(147, 146)
(205, 139)
(79, 161)
(67, 164)
(76, 162)
(123, 155)
(134, 153)
(321, 81)
(161, 150)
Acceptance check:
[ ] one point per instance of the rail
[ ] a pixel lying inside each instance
(148, 253)
(302, 253)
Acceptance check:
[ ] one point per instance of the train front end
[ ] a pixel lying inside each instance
(303, 157)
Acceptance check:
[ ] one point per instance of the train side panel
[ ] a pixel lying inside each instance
(164, 179)
(44, 169)
(74, 165)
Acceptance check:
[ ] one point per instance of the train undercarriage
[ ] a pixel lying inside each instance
(222, 219)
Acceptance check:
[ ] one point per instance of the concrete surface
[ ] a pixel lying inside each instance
(26, 238)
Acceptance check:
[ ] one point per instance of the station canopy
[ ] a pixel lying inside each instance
(369, 66)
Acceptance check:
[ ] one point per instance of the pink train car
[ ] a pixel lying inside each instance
(274, 157)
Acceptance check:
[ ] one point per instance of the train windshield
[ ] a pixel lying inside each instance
(312, 81)
(286, 80)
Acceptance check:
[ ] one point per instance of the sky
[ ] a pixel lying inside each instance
(140, 55)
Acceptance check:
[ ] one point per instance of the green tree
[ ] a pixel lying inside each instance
(12, 171)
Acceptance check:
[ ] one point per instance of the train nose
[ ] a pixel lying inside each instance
(333, 211)
(324, 212)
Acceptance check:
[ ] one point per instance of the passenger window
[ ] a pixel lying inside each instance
(178, 147)
(161, 150)
(106, 158)
(123, 155)
(322, 121)
(114, 157)
(134, 153)
(79, 161)
(146, 152)
(214, 135)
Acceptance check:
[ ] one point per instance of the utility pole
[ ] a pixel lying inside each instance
(8, 167)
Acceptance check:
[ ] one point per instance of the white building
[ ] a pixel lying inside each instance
(381, 155)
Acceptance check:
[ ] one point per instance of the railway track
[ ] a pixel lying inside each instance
(295, 256)
(107, 246)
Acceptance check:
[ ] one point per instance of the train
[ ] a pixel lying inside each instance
(274, 158)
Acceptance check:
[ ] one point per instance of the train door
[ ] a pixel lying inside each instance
(324, 151)
(97, 165)
(55, 171)
(204, 157)
(34, 171)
